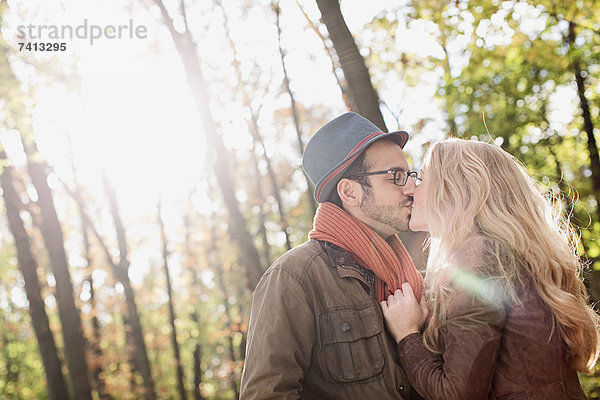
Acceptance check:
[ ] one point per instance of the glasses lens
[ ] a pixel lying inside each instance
(415, 176)
(400, 177)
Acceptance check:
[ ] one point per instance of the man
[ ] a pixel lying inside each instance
(316, 329)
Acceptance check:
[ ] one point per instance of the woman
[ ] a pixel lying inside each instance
(508, 311)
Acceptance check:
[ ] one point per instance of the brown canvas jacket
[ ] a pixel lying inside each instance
(316, 332)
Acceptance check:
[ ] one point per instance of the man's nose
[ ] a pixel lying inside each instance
(409, 188)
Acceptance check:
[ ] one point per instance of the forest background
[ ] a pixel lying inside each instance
(149, 180)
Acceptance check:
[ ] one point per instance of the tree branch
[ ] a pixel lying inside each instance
(184, 15)
(88, 222)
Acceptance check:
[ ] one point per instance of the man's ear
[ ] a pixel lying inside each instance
(350, 192)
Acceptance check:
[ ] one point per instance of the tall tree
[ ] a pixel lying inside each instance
(11, 95)
(174, 342)
(120, 269)
(363, 96)
(238, 229)
(212, 257)
(98, 375)
(52, 234)
(294, 107)
(98, 382)
(257, 137)
(262, 218)
(191, 265)
(51, 230)
(580, 74)
(57, 388)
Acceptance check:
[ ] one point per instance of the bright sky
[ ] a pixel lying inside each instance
(132, 115)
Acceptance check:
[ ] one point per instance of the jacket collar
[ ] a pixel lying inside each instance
(347, 267)
(338, 256)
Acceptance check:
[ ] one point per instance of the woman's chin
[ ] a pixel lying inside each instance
(416, 226)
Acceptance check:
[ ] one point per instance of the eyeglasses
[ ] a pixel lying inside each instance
(400, 175)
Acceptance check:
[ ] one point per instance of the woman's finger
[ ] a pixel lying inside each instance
(407, 290)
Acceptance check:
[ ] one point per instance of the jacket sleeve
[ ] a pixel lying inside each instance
(465, 370)
(280, 338)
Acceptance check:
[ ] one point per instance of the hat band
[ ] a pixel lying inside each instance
(345, 164)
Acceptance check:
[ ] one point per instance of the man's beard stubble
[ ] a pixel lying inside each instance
(388, 215)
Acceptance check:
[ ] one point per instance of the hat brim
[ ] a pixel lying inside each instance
(329, 181)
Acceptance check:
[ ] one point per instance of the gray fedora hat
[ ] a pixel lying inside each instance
(333, 148)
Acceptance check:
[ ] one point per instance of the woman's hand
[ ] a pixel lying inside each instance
(403, 314)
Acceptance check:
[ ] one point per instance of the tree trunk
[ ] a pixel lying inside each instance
(248, 255)
(57, 388)
(165, 254)
(212, 257)
(591, 279)
(261, 214)
(197, 372)
(135, 368)
(120, 270)
(275, 186)
(97, 372)
(589, 130)
(360, 88)
(592, 283)
(552, 140)
(286, 82)
(75, 346)
(190, 262)
(140, 354)
(98, 383)
(588, 125)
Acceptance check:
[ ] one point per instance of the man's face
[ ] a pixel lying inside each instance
(386, 206)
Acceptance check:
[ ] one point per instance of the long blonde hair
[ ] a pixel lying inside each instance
(482, 205)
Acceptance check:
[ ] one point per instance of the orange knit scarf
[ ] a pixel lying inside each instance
(389, 260)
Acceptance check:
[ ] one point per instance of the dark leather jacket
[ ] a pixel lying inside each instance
(510, 353)
(316, 332)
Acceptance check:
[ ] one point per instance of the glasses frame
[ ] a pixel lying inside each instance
(397, 172)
